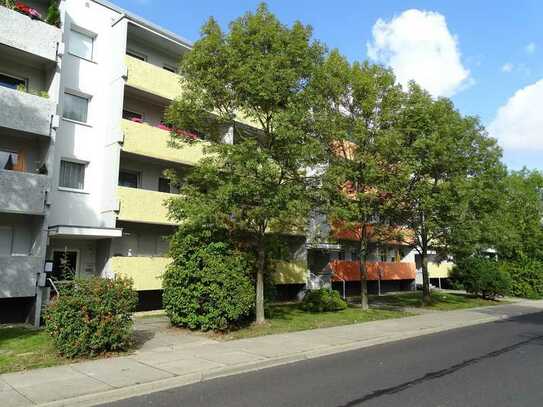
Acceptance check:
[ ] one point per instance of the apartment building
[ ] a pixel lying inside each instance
(82, 157)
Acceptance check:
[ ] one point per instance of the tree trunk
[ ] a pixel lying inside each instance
(426, 295)
(260, 318)
(363, 277)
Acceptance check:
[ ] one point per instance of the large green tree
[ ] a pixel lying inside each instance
(250, 84)
(357, 110)
(449, 161)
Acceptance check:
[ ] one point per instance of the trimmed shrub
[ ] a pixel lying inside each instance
(92, 316)
(323, 300)
(526, 277)
(482, 276)
(207, 286)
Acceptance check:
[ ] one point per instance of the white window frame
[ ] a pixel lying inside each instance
(74, 161)
(86, 33)
(79, 94)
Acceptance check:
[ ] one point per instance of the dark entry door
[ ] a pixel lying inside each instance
(64, 265)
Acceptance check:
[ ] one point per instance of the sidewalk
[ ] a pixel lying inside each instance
(172, 358)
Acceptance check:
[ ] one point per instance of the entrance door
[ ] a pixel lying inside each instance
(64, 265)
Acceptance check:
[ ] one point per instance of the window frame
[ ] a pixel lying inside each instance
(86, 33)
(18, 78)
(136, 173)
(76, 94)
(136, 54)
(134, 113)
(169, 68)
(85, 164)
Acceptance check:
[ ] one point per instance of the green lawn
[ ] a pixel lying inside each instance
(440, 301)
(25, 348)
(290, 318)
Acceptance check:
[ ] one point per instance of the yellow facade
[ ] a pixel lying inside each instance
(152, 79)
(290, 272)
(143, 206)
(146, 140)
(440, 270)
(157, 81)
(145, 272)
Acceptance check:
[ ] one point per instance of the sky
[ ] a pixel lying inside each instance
(486, 55)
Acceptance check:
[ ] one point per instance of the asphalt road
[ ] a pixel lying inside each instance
(496, 364)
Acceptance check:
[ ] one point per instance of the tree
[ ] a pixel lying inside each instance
(249, 83)
(356, 118)
(445, 155)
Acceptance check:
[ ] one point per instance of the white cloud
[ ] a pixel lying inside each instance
(519, 123)
(418, 46)
(530, 48)
(508, 67)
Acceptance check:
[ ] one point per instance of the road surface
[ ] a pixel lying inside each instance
(496, 364)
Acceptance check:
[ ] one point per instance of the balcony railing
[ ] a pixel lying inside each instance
(290, 272)
(22, 192)
(145, 272)
(25, 112)
(34, 37)
(152, 79)
(143, 139)
(18, 275)
(350, 270)
(143, 206)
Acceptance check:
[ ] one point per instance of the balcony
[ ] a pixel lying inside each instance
(145, 140)
(143, 206)
(18, 275)
(290, 272)
(31, 36)
(152, 79)
(145, 272)
(349, 270)
(25, 112)
(23, 192)
(439, 270)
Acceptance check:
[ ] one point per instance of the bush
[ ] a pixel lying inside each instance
(53, 13)
(323, 300)
(526, 277)
(92, 316)
(208, 285)
(482, 276)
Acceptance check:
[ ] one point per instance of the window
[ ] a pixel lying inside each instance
(164, 185)
(8, 160)
(75, 107)
(128, 179)
(169, 68)
(72, 175)
(11, 82)
(81, 45)
(6, 239)
(136, 55)
(128, 115)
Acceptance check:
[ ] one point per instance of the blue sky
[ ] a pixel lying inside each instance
(489, 55)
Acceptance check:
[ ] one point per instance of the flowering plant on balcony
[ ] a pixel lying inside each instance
(136, 119)
(162, 126)
(29, 11)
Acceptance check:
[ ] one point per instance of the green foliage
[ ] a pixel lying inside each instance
(482, 276)
(254, 79)
(526, 277)
(92, 316)
(208, 284)
(53, 13)
(40, 93)
(323, 300)
(8, 4)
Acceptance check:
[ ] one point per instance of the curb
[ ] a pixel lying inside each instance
(192, 378)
